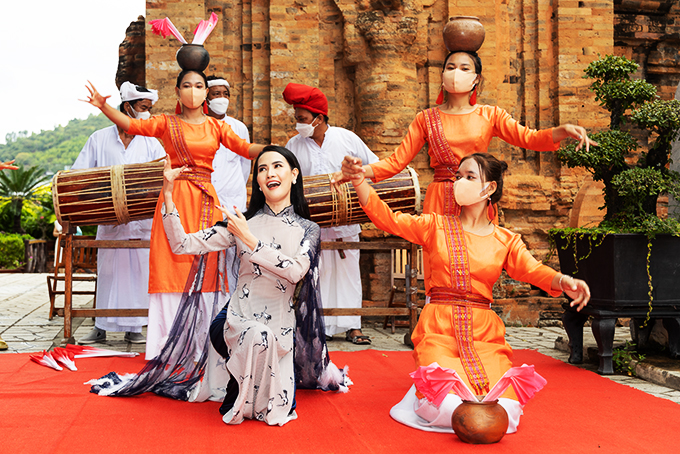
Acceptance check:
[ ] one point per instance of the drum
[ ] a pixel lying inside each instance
(107, 195)
(329, 208)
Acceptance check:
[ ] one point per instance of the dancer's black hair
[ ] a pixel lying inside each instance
(297, 193)
(473, 55)
(181, 75)
(492, 170)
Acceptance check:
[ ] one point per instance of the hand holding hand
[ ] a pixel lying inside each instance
(95, 98)
(170, 174)
(577, 290)
(238, 226)
(169, 177)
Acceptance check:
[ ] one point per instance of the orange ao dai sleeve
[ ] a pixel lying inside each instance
(465, 134)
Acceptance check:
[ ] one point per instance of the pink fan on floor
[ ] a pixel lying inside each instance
(82, 351)
(525, 381)
(65, 357)
(45, 359)
(435, 382)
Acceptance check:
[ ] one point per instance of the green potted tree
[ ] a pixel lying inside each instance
(630, 260)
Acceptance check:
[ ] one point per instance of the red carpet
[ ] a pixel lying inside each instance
(45, 411)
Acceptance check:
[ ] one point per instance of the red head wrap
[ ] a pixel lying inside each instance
(306, 97)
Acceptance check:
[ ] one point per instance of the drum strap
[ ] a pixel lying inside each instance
(196, 175)
(118, 194)
(462, 299)
(442, 152)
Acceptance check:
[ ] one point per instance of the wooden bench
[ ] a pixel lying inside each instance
(83, 260)
(72, 243)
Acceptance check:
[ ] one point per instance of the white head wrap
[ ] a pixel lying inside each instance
(130, 92)
(212, 83)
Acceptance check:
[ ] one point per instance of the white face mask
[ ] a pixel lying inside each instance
(142, 115)
(458, 81)
(305, 130)
(468, 192)
(219, 105)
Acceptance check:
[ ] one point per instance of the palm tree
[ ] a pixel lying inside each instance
(19, 185)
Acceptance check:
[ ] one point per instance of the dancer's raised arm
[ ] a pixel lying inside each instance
(99, 101)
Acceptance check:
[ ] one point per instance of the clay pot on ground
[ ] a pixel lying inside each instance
(479, 422)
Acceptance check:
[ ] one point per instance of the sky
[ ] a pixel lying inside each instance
(49, 50)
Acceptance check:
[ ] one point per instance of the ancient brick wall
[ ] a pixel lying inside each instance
(379, 63)
(132, 56)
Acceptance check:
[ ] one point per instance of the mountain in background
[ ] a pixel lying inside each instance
(52, 150)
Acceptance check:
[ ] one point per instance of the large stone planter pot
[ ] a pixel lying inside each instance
(615, 268)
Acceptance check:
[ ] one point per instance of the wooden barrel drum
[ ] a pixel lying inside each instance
(329, 208)
(124, 193)
(107, 195)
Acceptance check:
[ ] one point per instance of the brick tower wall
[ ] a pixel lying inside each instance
(379, 63)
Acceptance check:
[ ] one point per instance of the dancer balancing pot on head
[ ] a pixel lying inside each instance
(455, 128)
(466, 253)
(272, 343)
(182, 305)
(458, 127)
(190, 138)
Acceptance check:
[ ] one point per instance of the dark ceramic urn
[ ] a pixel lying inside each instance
(193, 57)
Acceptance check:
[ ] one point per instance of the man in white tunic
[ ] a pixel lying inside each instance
(320, 149)
(230, 171)
(122, 274)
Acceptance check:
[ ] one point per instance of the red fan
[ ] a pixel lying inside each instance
(46, 359)
(65, 357)
(81, 351)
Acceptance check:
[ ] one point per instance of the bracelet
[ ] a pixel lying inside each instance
(560, 281)
(360, 183)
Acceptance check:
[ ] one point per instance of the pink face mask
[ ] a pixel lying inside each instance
(192, 97)
(458, 81)
(467, 192)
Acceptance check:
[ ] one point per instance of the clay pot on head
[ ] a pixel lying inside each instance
(193, 57)
(479, 422)
(464, 33)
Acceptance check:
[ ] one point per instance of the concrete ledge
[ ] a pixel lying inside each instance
(655, 369)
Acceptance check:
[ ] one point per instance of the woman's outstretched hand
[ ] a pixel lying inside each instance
(575, 132)
(95, 98)
(8, 165)
(577, 290)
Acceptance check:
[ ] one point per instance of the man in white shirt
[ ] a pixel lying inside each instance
(230, 171)
(122, 274)
(320, 149)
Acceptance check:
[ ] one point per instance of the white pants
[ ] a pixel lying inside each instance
(122, 283)
(424, 415)
(162, 310)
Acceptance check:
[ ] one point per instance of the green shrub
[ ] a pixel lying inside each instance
(12, 250)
